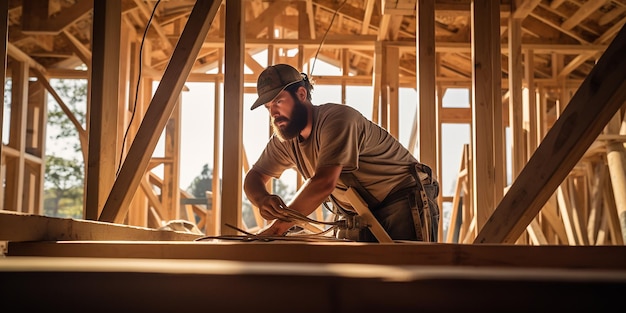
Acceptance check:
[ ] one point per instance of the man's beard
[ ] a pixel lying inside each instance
(295, 124)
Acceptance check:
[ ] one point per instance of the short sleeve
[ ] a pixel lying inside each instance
(275, 158)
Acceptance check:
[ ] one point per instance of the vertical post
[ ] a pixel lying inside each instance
(4, 33)
(427, 103)
(233, 112)
(103, 150)
(515, 96)
(486, 80)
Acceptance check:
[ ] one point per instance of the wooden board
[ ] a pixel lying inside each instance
(107, 285)
(30, 227)
(399, 253)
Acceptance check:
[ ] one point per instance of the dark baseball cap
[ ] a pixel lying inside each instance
(273, 80)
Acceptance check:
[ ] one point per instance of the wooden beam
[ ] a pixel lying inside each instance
(486, 96)
(563, 146)
(261, 22)
(4, 33)
(43, 22)
(525, 8)
(616, 160)
(516, 106)
(158, 112)
(146, 13)
(583, 12)
(83, 53)
(233, 113)
(103, 148)
(364, 212)
(427, 102)
(301, 251)
(14, 172)
(166, 285)
(15, 226)
(82, 133)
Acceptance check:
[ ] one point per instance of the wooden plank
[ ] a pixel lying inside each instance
(565, 208)
(550, 216)
(15, 226)
(427, 102)
(454, 227)
(563, 146)
(43, 22)
(392, 65)
(285, 251)
(525, 8)
(230, 211)
(536, 234)
(261, 22)
(83, 53)
(213, 214)
(4, 33)
(103, 148)
(82, 134)
(146, 13)
(616, 160)
(485, 97)
(166, 285)
(596, 181)
(516, 71)
(361, 207)
(611, 212)
(531, 103)
(14, 172)
(170, 191)
(159, 111)
(583, 12)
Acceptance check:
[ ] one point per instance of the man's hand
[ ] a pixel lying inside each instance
(272, 207)
(277, 228)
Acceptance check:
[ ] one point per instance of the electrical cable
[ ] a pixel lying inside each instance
(325, 34)
(132, 116)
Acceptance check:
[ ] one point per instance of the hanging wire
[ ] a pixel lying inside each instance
(325, 34)
(130, 122)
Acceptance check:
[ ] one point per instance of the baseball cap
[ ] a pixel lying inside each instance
(273, 80)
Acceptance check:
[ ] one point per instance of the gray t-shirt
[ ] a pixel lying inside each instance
(342, 136)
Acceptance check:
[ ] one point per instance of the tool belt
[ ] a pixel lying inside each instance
(424, 223)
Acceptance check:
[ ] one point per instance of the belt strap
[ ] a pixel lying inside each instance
(425, 227)
(422, 230)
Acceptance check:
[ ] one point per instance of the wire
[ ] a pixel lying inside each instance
(294, 216)
(325, 34)
(130, 122)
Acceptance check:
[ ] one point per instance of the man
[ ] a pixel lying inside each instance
(335, 147)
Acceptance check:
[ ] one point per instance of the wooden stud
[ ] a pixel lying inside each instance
(233, 112)
(426, 89)
(159, 110)
(486, 97)
(563, 146)
(103, 149)
(364, 212)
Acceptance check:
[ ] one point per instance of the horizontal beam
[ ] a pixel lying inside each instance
(106, 285)
(329, 251)
(16, 226)
(368, 43)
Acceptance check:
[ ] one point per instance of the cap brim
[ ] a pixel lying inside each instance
(270, 95)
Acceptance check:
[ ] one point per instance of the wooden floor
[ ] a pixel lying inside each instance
(113, 276)
(151, 285)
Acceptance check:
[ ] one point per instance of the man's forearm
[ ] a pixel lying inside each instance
(254, 187)
(310, 196)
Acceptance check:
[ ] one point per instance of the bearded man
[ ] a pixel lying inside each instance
(334, 147)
